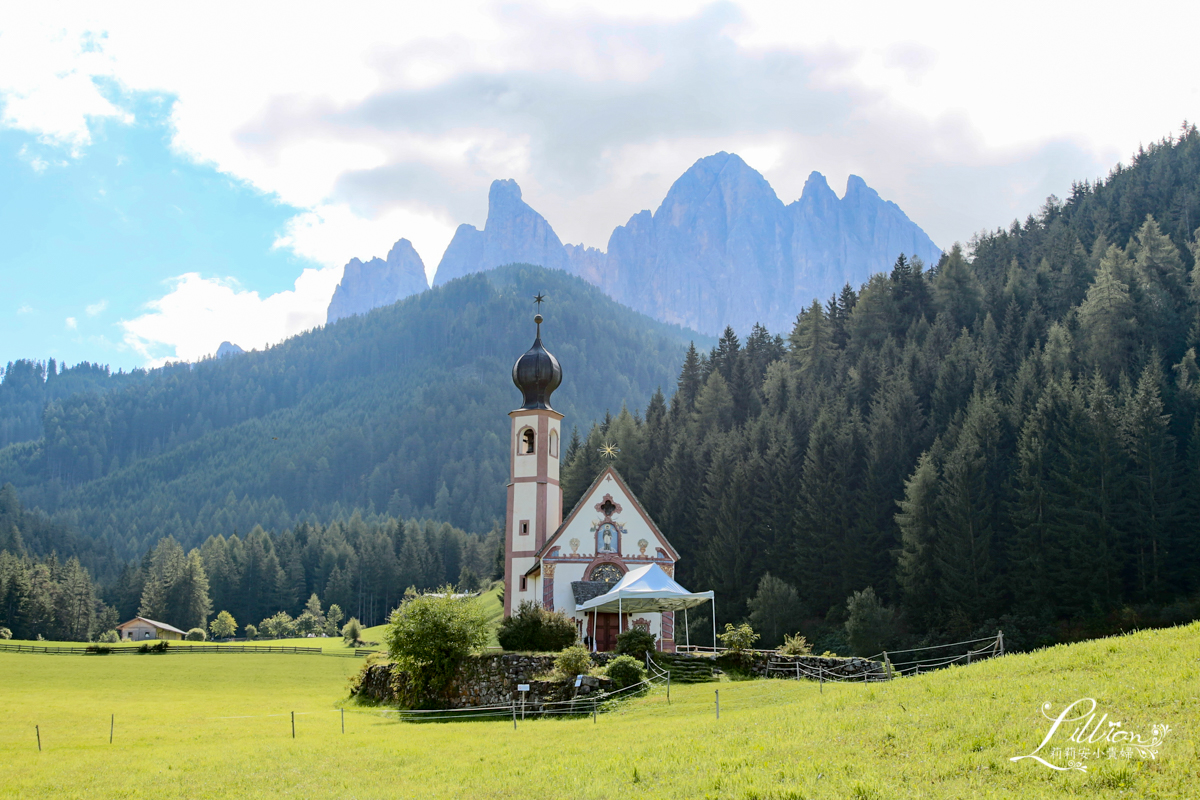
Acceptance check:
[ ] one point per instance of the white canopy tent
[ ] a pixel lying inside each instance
(644, 589)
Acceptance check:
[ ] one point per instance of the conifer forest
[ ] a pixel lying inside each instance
(1008, 438)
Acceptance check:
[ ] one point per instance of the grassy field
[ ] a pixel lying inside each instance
(219, 726)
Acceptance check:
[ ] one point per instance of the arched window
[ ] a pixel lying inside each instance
(554, 444)
(606, 572)
(527, 441)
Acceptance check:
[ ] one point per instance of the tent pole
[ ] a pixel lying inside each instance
(620, 615)
(714, 610)
(687, 634)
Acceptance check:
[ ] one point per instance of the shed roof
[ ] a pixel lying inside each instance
(160, 625)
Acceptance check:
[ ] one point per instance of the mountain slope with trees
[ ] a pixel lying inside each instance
(399, 411)
(1009, 438)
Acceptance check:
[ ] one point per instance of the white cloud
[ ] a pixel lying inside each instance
(199, 313)
(332, 234)
(96, 308)
(25, 309)
(384, 120)
(72, 324)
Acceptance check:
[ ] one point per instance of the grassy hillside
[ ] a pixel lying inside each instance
(219, 726)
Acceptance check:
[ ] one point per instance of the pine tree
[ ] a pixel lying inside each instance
(956, 289)
(1106, 318)
(829, 557)
(812, 343)
(918, 572)
(971, 505)
(1155, 501)
(690, 379)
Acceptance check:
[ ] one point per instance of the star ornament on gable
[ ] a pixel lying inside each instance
(609, 450)
(539, 298)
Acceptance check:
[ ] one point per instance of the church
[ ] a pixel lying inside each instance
(560, 562)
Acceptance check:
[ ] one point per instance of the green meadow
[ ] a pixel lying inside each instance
(219, 725)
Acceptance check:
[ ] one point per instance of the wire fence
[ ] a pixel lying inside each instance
(990, 647)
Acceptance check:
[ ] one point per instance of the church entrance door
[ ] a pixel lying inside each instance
(607, 628)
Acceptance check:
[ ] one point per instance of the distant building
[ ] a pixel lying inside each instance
(559, 563)
(140, 628)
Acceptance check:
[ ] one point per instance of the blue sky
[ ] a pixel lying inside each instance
(90, 238)
(169, 180)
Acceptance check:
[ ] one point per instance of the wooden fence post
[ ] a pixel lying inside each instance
(293, 724)
(111, 722)
(1000, 641)
(38, 728)
(718, 698)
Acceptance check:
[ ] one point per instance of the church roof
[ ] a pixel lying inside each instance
(637, 506)
(586, 590)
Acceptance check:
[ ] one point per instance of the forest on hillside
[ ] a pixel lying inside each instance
(397, 412)
(48, 584)
(1009, 439)
(27, 385)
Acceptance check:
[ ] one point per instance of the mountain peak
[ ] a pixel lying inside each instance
(378, 282)
(503, 192)
(228, 349)
(857, 186)
(514, 233)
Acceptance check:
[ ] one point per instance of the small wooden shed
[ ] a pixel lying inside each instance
(140, 628)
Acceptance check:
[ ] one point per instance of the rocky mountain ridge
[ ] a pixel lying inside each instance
(721, 249)
(378, 282)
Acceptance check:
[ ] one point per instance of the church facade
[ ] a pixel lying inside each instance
(562, 563)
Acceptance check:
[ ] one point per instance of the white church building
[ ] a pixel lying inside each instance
(564, 563)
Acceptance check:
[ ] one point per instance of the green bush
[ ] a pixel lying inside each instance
(428, 636)
(158, 647)
(279, 626)
(333, 618)
(636, 642)
(196, 635)
(251, 632)
(572, 661)
(352, 632)
(736, 640)
(625, 671)
(870, 625)
(774, 608)
(5, 633)
(795, 646)
(98, 649)
(536, 628)
(109, 637)
(224, 626)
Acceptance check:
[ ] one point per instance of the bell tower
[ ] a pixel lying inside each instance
(534, 495)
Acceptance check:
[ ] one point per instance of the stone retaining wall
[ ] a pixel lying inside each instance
(487, 680)
(835, 668)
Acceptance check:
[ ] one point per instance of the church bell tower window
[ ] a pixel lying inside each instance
(528, 440)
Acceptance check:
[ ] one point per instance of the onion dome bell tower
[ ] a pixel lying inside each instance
(537, 373)
(534, 495)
